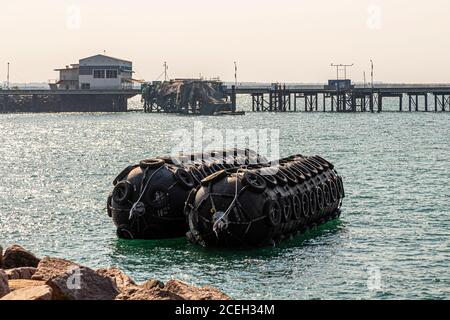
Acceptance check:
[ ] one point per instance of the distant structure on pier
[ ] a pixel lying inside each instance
(99, 72)
(189, 96)
(95, 84)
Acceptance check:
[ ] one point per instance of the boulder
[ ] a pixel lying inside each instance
(30, 293)
(188, 292)
(49, 268)
(145, 294)
(121, 280)
(71, 281)
(4, 286)
(151, 284)
(173, 290)
(82, 283)
(24, 283)
(53, 278)
(1, 257)
(21, 273)
(17, 257)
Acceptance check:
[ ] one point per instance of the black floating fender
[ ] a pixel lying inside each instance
(269, 205)
(254, 181)
(122, 192)
(185, 179)
(148, 199)
(272, 213)
(151, 163)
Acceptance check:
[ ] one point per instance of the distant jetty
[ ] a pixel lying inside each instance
(343, 96)
(102, 83)
(54, 101)
(334, 97)
(23, 276)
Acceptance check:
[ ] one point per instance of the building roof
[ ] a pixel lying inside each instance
(68, 69)
(105, 56)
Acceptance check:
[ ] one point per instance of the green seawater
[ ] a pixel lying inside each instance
(392, 241)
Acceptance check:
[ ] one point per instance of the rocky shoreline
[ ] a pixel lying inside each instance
(23, 276)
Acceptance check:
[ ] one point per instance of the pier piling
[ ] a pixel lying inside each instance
(349, 99)
(233, 99)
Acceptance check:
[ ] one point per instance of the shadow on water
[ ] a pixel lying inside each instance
(181, 252)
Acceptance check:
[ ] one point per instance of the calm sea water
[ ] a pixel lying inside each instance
(392, 242)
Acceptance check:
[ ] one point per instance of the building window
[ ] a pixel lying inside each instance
(99, 74)
(111, 74)
(85, 86)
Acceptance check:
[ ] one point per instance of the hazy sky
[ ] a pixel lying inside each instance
(283, 40)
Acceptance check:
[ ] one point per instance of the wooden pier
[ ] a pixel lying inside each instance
(31, 100)
(308, 98)
(265, 98)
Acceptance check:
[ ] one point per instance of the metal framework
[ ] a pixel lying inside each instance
(282, 99)
(441, 101)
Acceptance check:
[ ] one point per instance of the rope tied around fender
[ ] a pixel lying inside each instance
(222, 215)
(138, 207)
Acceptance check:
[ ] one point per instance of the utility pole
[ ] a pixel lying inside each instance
(364, 79)
(165, 70)
(371, 72)
(7, 78)
(372, 91)
(235, 74)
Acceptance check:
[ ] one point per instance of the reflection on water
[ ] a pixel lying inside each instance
(223, 267)
(151, 250)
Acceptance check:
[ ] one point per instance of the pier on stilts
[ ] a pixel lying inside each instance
(35, 100)
(329, 98)
(265, 98)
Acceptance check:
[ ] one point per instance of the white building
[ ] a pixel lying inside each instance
(96, 72)
(68, 78)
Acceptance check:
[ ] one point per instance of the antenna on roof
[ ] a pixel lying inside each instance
(342, 67)
(235, 74)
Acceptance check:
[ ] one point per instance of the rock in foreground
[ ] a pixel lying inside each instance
(4, 285)
(121, 280)
(60, 279)
(189, 292)
(49, 268)
(17, 257)
(17, 284)
(21, 273)
(30, 293)
(83, 284)
(142, 293)
(172, 290)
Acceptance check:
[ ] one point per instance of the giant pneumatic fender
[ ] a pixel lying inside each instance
(148, 198)
(261, 205)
